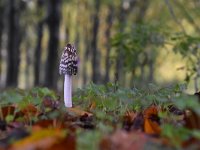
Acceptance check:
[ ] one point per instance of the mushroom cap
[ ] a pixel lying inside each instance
(69, 61)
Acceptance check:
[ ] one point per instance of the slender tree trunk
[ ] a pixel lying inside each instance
(151, 70)
(14, 40)
(53, 22)
(87, 48)
(109, 21)
(123, 14)
(142, 11)
(86, 57)
(1, 29)
(38, 53)
(95, 54)
(37, 63)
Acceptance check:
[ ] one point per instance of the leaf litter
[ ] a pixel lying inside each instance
(104, 118)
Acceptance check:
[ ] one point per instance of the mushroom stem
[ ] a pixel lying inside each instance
(68, 90)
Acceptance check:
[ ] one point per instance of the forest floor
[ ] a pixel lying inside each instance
(105, 117)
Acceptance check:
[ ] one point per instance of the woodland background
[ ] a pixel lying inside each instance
(130, 42)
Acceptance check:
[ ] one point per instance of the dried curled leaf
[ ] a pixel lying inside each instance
(151, 121)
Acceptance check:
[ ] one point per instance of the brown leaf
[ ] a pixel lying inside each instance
(78, 112)
(50, 103)
(138, 123)
(192, 120)
(151, 121)
(122, 140)
(67, 143)
(133, 121)
(49, 124)
(30, 110)
(192, 142)
(40, 139)
(7, 110)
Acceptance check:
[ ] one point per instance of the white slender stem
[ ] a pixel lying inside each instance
(68, 91)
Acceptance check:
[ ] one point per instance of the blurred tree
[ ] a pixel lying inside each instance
(86, 30)
(2, 5)
(139, 48)
(95, 54)
(189, 47)
(109, 22)
(125, 8)
(53, 23)
(37, 63)
(14, 40)
(137, 41)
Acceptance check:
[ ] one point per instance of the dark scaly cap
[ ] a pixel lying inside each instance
(69, 61)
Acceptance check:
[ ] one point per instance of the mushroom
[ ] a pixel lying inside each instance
(68, 67)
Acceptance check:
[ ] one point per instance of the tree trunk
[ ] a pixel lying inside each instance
(53, 22)
(123, 14)
(14, 40)
(151, 70)
(37, 63)
(95, 55)
(1, 29)
(142, 11)
(86, 56)
(109, 21)
(38, 53)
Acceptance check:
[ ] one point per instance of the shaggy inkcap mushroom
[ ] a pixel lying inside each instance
(68, 67)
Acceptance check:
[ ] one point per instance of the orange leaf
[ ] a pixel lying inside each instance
(151, 120)
(40, 139)
(151, 127)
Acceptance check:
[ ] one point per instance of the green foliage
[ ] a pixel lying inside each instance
(35, 95)
(176, 135)
(138, 48)
(189, 47)
(23, 98)
(88, 140)
(138, 45)
(112, 102)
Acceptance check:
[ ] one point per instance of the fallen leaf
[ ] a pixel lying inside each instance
(192, 120)
(122, 140)
(78, 112)
(40, 139)
(49, 124)
(30, 110)
(151, 121)
(68, 142)
(7, 110)
(133, 121)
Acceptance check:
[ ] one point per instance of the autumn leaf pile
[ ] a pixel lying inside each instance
(105, 117)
